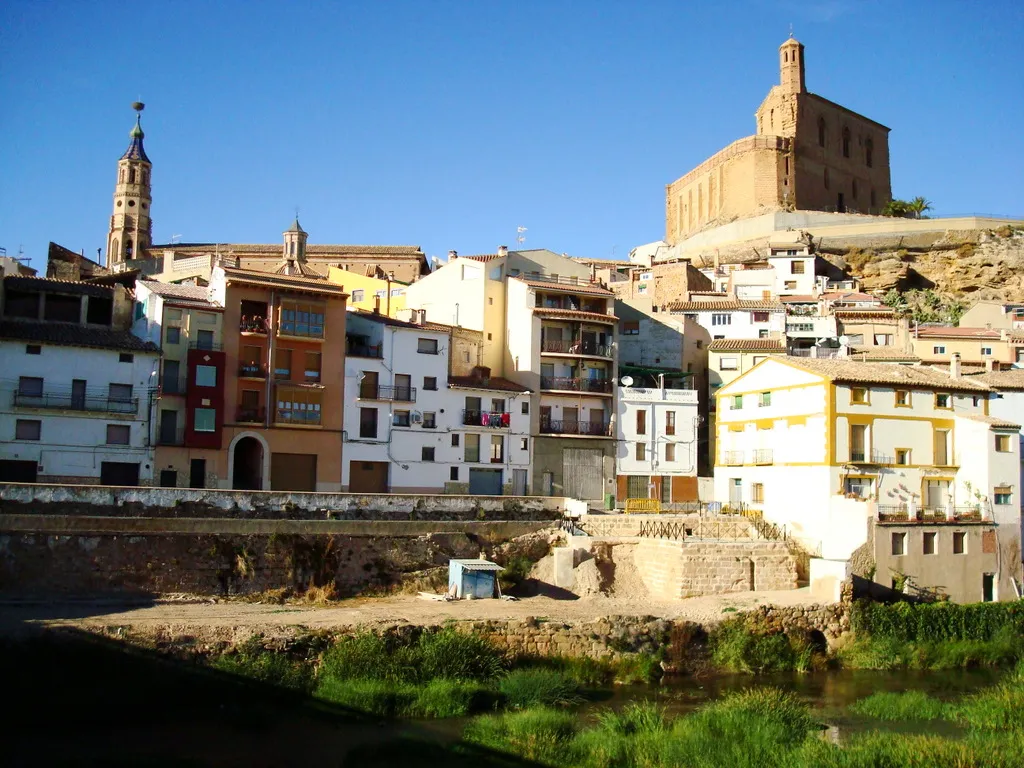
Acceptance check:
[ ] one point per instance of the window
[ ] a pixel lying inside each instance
(764, 399)
(883, 339)
(379, 294)
(120, 393)
(670, 451)
(302, 318)
(453, 473)
(899, 543)
(929, 543)
(283, 364)
(959, 542)
(790, 285)
(524, 443)
(727, 364)
(497, 449)
(526, 406)
(204, 339)
(206, 376)
(298, 406)
(1003, 495)
(312, 369)
(30, 386)
(859, 395)
(869, 157)
(721, 318)
(427, 453)
(826, 178)
(455, 440)
(700, 344)
(173, 335)
(902, 398)
(986, 351)
(796, 267)
(903, 456)
(426, 346)
(858, 442)
(737, 402)
(368, 422)
(358, 295)
(27, 429)
(938, 350)
(429, 420)
(118, 434)
(757, 493)
(206, 419)
(641, 452)
(396, 292)
(35, 349)
(846, 142)
(942, 400)
(941, 446)
(641, 289)
(630, 327)
(759, 317)
(400, 419)
(821, 131)
(430, 383)
(641, 422)
(471, 451)
(670, 422)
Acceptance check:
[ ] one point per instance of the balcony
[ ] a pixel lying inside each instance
(208, 345)
(764, 456)
(358, 349)
(173, 385)
(395, 394)
(876, 457)
(732, 458)
(597, 386)
(252, 371)
(65, 401)
(314, 331)
(171, 435)
(251, 415)
(254, 325)
(494, 419)
(305, 418)
(576, 348)
(591, 428)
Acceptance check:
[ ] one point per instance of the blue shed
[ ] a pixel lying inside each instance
(473, 578)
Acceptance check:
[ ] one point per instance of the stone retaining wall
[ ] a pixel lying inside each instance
(674, 569)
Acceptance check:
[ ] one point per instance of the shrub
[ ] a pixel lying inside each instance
(526, 688)
(534, 734)
(516, 572)
(937, 621)
(907, 705)
(377, 697)
(253, 661)
(367, 656)
(457, 655)
(738, 647)
(450, 698)
(644, 717)
(583, 670)
(634, 668)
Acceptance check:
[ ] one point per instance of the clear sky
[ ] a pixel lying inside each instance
(449, 124)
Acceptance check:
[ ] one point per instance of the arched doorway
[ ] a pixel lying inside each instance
(248, 465)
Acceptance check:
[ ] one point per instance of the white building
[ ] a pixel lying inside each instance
(657, 444)
(78, 391)
(808, 442)
(727, 318)
(413, 427)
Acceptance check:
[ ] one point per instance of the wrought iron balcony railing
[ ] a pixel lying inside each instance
(486, 418)
(576, 348)
(602, 386)
(252, 371)
(170, 436)
(382, 392)
(75, 402)
(353, 349)
(563, 427)
(251, 415)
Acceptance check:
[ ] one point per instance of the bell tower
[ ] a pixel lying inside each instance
(131, 229)
(791, 65)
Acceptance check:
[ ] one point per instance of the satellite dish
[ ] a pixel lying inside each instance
(844, 340)
(626, 381)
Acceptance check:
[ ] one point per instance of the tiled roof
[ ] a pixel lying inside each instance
(177, 291)
(589, 289)
(947, 333)
(376, 317)
(993, 421)
(481, 256)
(883, 354)
(271, 249)
(856, 372)
(1001, 379)
(798, 299)
(303, 269)
(850, 296)
(431, 325)
(24, 283)
(72, 335)
(714, 306)
(597, 317)
(291, 282)
(494, 382)
(747, 345)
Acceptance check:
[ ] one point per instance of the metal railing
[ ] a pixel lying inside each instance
(603, 386)
(387, 392)
(254, 325)
(597, 429)
(732, 458)
(74, 402)
(486, 418)
(559, 279)
(875, 457)
(364, 350)
(251, 415)
(252, 371)
(208, 345)
(173, 385)
(166, 436)
(290, 416)
(576, 348)
(900, 513)
(764, 456)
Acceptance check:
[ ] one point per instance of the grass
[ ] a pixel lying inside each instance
(736, 647)
(637, 668)
(901, 707)
(535, 734)
(873, 652)
(253, 661)
(436, 699)
(525, 688)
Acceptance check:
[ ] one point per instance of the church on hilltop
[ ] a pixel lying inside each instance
(808, 153)
(130, 239)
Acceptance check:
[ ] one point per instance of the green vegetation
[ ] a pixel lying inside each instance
(901, 707)
(525, 688)
(908, 209)
(736, 646)
(926, 306)
(252, 660)
(937, 621)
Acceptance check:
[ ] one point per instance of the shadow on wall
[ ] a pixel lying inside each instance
(117, 705)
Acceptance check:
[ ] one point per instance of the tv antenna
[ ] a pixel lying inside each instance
(520, 237)
(175, 239)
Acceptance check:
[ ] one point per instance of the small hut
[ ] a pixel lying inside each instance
(473, 578)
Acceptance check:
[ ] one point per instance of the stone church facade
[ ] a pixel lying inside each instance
(808, 154)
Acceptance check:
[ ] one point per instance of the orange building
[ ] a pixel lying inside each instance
(284, 346)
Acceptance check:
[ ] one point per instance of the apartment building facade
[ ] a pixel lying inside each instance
(79, 388)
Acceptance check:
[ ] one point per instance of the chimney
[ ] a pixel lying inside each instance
(954, 366)
(990, 364)
(376, 305)
(718, 261)
(503, 250)
(452, 255)
(423, 316)
(391, 276)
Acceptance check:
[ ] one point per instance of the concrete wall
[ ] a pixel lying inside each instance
(547, 457)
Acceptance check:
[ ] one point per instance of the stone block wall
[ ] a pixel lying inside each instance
(673, 569)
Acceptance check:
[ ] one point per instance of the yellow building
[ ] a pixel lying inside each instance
(974, 345)
(384, 295)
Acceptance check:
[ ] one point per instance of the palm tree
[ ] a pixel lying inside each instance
(918, 206)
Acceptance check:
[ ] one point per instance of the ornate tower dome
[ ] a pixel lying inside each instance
(131, 229)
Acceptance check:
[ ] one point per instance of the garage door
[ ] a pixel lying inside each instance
(17, 471)
(293, 471)
(485, 482)
(368, 477)
(119, 473)
(583, 473)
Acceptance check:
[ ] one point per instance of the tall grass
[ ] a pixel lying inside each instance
(736, 647)
(1002, 649)
(534, 734)
(902, 707)
(525, 688)
(253, 661)
(436, 699)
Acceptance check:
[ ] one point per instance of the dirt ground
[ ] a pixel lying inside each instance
(182, 613)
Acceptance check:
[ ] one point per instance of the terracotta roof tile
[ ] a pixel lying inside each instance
(747, 345)
(852, 371)
(480, 256)
(271, 249)
(710, 306)
(293, 282)
(944, 333)
(993, 421)
(1013, 379)
(72, 335)
(496, 383)
(870, 354)
(596, 317)
(25, 283)
(177, 291)
(585, 288)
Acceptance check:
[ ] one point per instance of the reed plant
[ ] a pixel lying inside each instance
(526, 688)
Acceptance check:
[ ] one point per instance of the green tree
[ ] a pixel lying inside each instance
(918, 206)
(896, 207)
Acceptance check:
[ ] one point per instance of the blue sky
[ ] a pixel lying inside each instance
(449, 124)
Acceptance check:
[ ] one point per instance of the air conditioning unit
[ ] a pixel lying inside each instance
(415, 417)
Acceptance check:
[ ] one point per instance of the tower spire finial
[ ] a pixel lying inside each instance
(791, 29)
